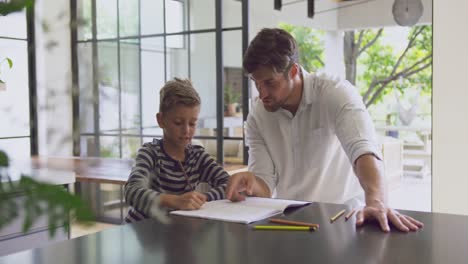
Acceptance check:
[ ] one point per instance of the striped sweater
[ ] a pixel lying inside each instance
(155, 172)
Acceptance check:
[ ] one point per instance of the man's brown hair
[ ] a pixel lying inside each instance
(178, 92)
(272, 47)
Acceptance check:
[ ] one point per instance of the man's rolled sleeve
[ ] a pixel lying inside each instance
(363, 147)
(353, 124)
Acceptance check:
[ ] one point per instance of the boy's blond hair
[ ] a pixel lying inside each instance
(178, 92)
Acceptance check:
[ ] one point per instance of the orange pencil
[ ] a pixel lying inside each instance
(289, 222)
(350, 214)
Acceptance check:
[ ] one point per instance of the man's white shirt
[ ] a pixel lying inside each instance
(309, 156)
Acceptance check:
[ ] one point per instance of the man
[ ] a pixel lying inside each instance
(309, 136)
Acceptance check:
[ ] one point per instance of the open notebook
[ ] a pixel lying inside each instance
(248, 211)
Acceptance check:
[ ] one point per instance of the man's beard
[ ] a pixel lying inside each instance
(275, 106)
(272, 108)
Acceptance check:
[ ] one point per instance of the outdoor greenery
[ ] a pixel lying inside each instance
(382, 69)
(11, 6)
(370, 64)
(311, 46)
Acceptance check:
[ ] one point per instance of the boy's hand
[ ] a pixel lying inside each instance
(190, 201)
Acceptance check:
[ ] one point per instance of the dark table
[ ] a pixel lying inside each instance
(444, 239)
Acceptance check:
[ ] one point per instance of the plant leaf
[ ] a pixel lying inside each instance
(14, 6)
(4, 160)
(10, 62)
(39, 199)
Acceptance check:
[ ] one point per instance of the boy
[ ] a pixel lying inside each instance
(167, 171)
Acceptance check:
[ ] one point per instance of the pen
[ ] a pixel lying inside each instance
(296, 223)
(337, 216)
(349, 214)
(285, 227)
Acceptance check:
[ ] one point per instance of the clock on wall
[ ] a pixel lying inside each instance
(407, 12)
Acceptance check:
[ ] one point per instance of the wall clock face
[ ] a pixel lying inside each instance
(407, 12)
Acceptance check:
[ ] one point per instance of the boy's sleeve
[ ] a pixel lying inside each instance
(214, 175)
(137, 191)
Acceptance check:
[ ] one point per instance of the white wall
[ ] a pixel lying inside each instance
(450, 108)
(376, 13)
(54, 78)
(262, 14)
(334, 54)
(330, 15)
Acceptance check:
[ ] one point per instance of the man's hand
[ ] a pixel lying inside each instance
(369, 170)
(189, 201)
(238, 184)
(384, 215)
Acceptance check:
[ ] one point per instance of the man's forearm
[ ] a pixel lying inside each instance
(261, 188)
(369, 171)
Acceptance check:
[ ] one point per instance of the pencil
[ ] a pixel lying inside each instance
(296, 223)
(337, 216)
(350, 214)
(285, 227)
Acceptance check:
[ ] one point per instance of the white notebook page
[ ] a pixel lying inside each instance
(248, 211)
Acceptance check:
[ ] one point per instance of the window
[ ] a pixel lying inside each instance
(126, 51)
(17, 94)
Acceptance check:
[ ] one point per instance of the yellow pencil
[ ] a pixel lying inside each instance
(285, 227)
(340, 213)
(295, 223)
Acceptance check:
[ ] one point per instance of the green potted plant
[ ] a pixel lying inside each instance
(231, 99)
(40, 198)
